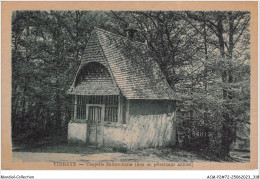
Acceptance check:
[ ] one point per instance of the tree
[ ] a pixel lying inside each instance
(226, 26)
(203, 55)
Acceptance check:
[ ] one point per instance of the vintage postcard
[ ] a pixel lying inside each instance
(129, 85)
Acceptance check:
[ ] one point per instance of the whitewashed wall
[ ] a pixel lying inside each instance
(77, 132)
(142, 131)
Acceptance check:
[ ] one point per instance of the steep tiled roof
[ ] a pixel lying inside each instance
(137, 75)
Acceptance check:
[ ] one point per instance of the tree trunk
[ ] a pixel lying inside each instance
(224, 129)
(205, 117)
(58, 113)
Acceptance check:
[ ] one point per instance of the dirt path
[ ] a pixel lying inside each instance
(53, 157)
(63, 152)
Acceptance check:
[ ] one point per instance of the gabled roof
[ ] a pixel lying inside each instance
(137, 75)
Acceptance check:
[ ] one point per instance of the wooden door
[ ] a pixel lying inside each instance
(95, 121)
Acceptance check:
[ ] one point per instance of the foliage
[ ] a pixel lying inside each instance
(204, 56)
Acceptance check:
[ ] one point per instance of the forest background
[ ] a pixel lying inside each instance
(205, 57)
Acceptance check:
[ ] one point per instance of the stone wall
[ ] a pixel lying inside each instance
(77, 132)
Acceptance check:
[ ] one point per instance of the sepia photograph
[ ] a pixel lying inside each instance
(131, 85)
(131, 89)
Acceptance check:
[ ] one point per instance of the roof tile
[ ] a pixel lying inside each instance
(137, 75)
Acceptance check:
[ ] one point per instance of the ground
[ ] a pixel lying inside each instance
(46, 150)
